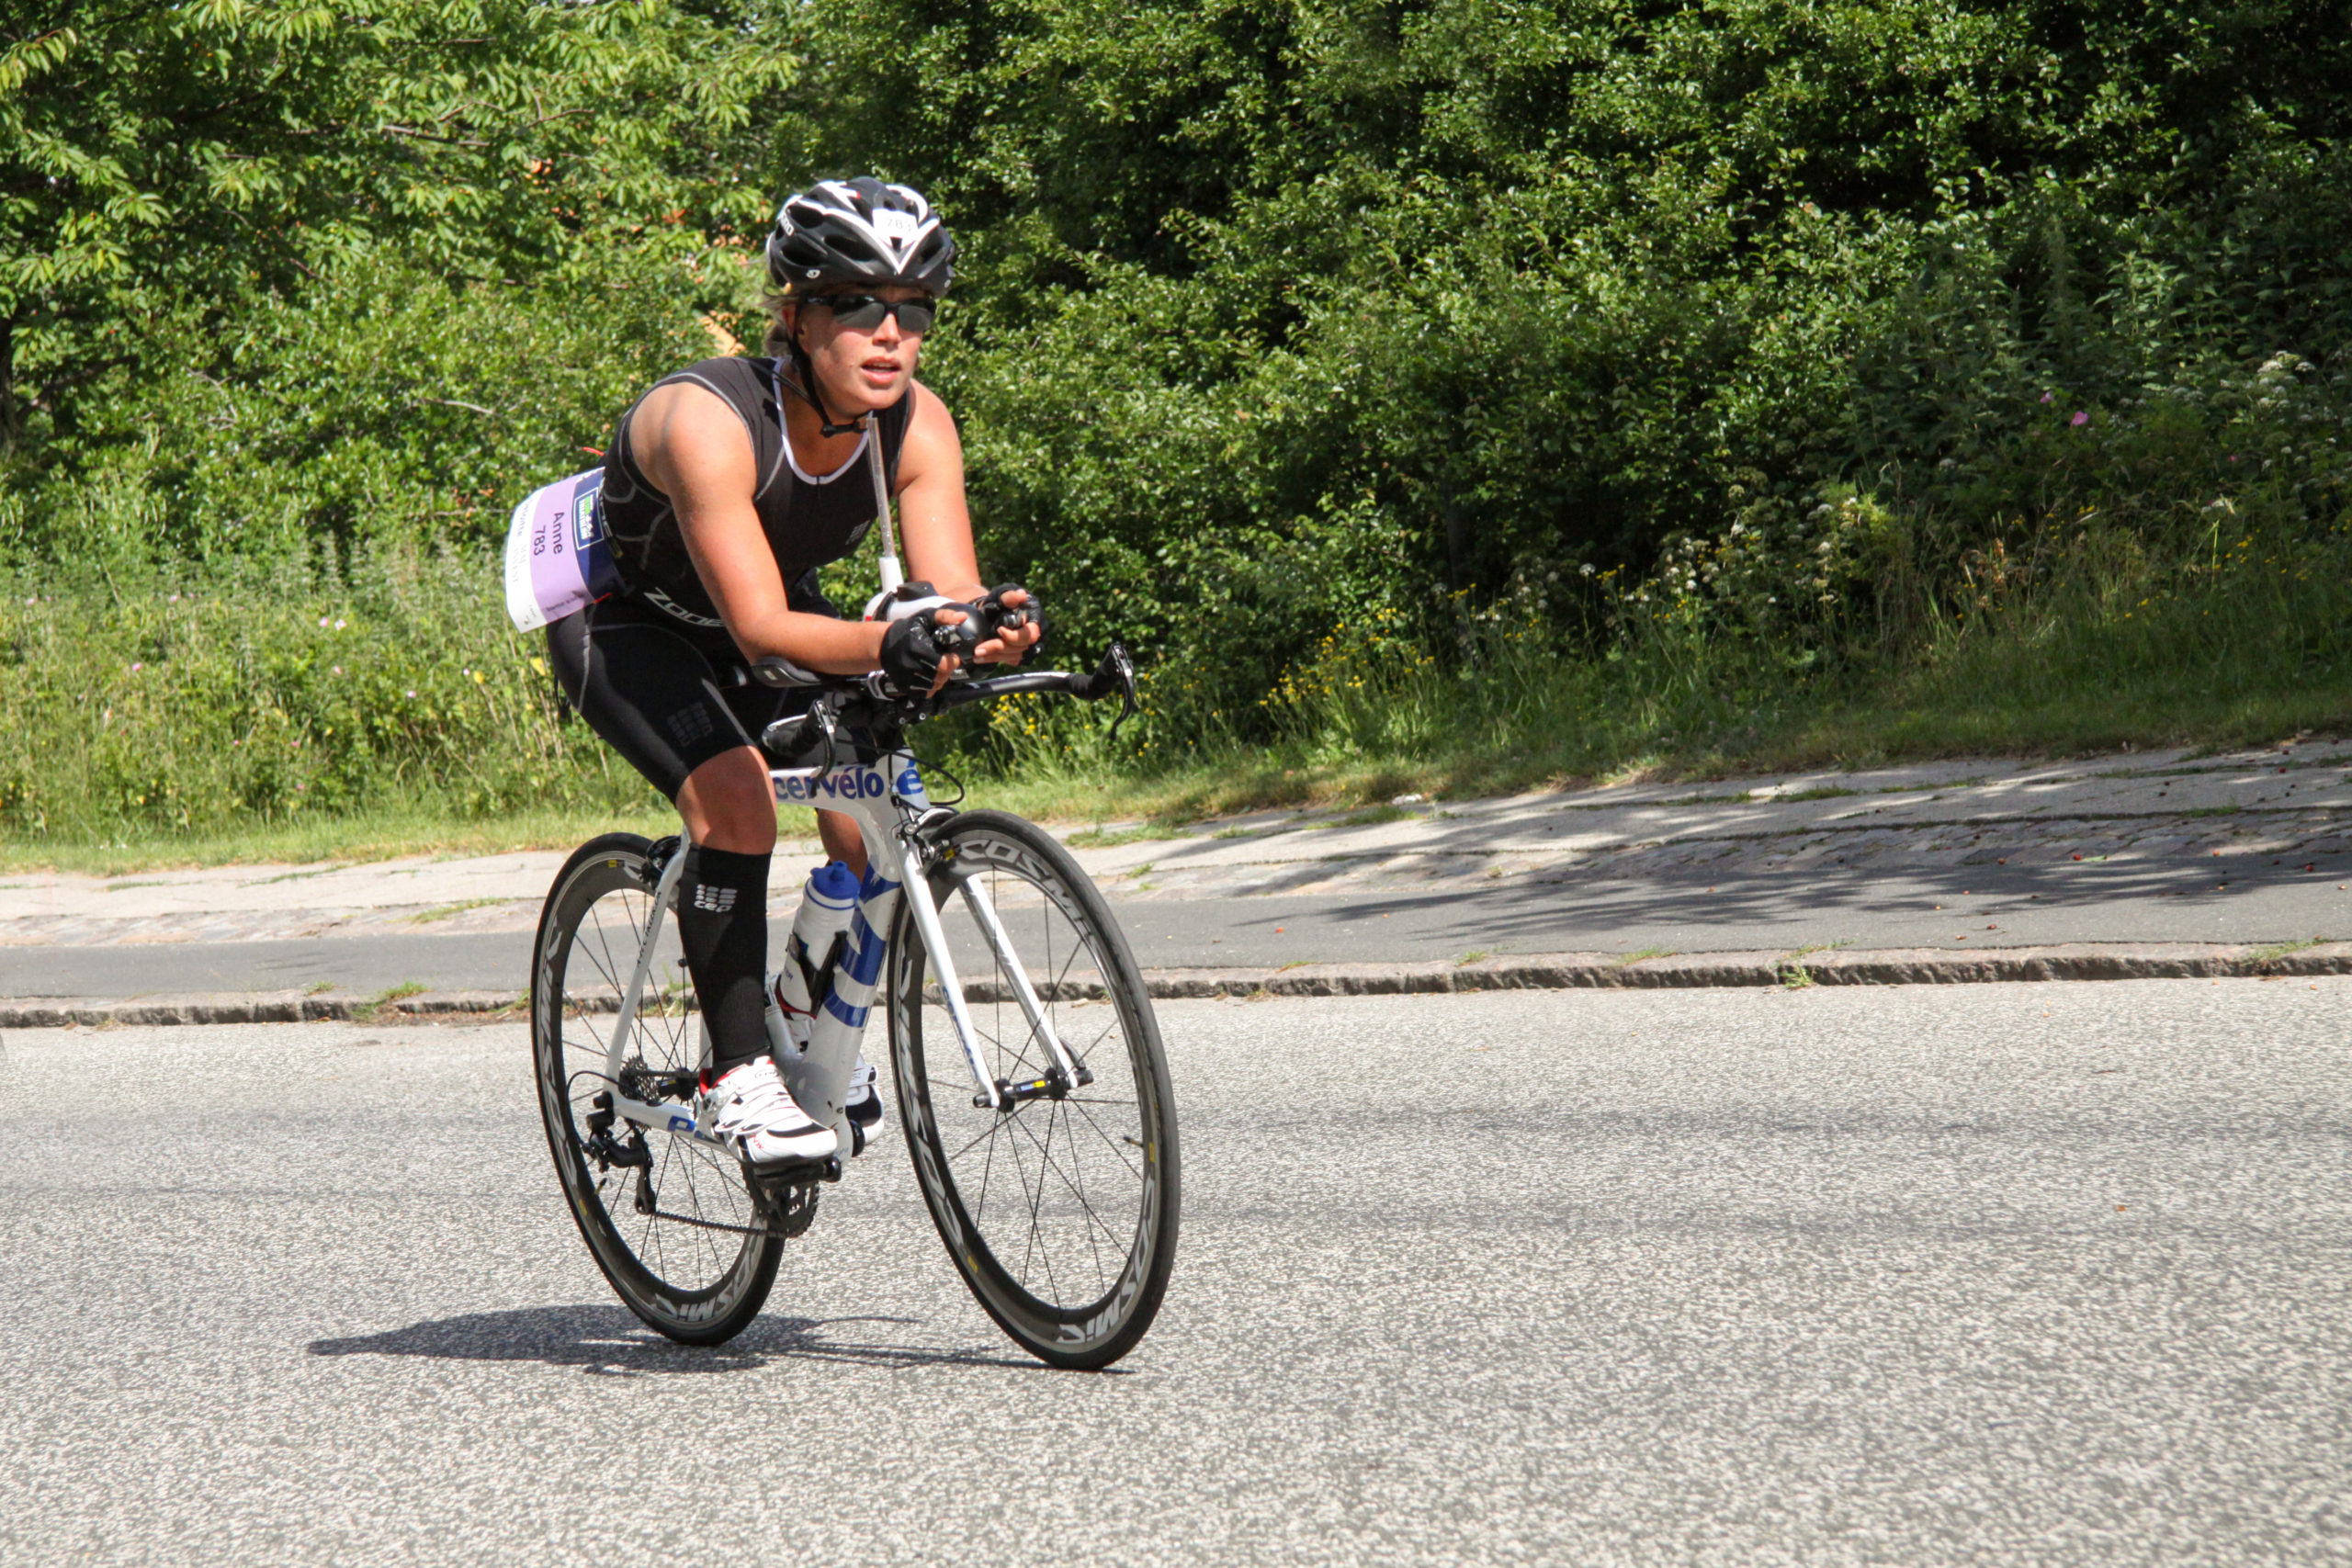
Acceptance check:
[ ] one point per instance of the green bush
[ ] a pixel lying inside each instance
(1668, 374)
(164, 708)
(393, 407)
(1280, 314)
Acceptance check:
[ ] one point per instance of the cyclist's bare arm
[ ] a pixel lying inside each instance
(696, 452)
(935, 526)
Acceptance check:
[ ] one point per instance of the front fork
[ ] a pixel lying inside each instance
(818, 1078)
(996, 1094)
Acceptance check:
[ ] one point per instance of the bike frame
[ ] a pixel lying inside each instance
(899, 824)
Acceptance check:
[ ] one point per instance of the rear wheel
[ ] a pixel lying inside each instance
(1061, 1212)
(669, 1220)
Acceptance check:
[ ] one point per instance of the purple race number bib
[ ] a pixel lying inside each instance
(558, 559)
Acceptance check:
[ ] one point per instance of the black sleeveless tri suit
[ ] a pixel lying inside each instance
(651, 668)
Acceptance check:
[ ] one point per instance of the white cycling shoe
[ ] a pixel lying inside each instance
(748, 1109)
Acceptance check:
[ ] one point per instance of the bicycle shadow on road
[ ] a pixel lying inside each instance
(609, 1341)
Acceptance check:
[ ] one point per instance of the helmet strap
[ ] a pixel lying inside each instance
(807, 393)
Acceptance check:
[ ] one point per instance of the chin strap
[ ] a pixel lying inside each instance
(805, 390)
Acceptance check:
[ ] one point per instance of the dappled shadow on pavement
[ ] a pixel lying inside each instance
(2173, 899)
(609, 1341)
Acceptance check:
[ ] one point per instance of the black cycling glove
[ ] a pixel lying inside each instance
(994, 615)
(912, 649)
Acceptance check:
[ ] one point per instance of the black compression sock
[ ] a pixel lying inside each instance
(723, 926)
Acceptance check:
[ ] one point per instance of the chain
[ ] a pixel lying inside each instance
(661, 1213)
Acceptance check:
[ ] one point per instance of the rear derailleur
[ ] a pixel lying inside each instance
(608, 1150)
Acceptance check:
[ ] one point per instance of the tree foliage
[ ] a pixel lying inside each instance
(1287, 312)
(212, 155)
(1280, 321)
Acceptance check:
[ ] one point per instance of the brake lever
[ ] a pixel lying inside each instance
(1116, 666)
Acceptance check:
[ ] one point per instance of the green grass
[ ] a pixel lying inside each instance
(1368, 817)
(388, 713)
(443, 911)
(384, 833)
(1104, 839)
(1373, 817)
(2281, 950)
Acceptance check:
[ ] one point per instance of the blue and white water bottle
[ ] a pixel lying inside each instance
(827, 900)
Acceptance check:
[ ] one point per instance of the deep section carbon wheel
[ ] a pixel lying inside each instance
(668, 1219)
(1061, 1211)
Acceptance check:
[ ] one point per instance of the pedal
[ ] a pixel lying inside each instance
(794, 1171)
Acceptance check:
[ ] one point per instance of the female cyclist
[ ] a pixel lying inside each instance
(726, 487)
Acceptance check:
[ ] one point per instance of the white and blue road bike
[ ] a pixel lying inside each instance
(1032, 1088)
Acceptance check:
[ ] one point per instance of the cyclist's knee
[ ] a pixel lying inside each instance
(839, 832)
(728, 802)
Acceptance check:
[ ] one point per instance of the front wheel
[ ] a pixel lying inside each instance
(1061, 1212)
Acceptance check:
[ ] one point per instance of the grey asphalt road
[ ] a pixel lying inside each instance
(2242, 898)
(1998, 1274)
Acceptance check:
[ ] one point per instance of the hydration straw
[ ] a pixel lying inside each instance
(892, 575)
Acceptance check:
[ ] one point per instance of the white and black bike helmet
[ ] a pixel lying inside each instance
(862, 233)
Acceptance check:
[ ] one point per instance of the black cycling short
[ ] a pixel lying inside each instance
(663, 693)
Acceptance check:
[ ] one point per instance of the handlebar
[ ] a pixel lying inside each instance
(864, 698)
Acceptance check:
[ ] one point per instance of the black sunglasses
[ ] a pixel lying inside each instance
(863, 312)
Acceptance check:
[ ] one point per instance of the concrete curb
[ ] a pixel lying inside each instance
(1568, 971)
(1895, 966)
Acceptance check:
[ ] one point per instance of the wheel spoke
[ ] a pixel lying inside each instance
(1045, 1157)
(1107, 1141)
(1078, 1171)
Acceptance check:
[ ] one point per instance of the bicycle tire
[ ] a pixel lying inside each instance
(1089, 1315)
(690, 1288)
